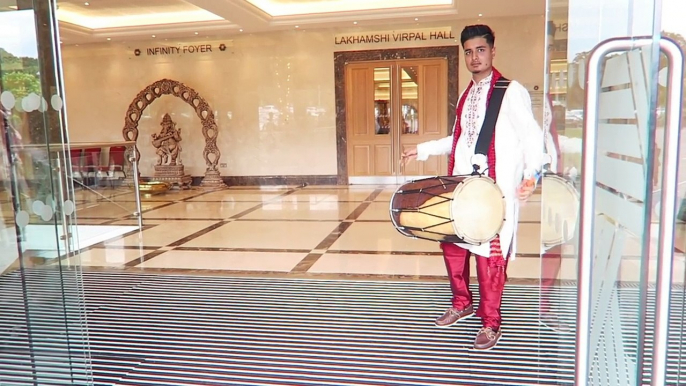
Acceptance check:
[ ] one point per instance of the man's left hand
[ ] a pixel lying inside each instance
(526, 189)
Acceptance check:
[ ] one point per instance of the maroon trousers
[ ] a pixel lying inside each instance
(457, 264)
(551, 261)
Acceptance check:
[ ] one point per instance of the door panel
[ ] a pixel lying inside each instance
(360, 88)
(361, 160)
(382, 162)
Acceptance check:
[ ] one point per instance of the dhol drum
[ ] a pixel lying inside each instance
(459, 209)
(560, 202)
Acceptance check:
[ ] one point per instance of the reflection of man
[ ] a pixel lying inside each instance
(517, 147)
(270, 125)
(556, 146)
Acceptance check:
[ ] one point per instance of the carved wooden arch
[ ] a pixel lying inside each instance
(202, 109)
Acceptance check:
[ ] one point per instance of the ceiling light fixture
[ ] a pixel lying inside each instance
(153, 35)
(481, 14)
(86, 3)
(297, 26)
(416, 19)
(355, 22)
(196, 33)
(109, 38)
(240, 30)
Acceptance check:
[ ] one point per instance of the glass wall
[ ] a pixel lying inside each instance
(616, 100)
(277, 150)
(43, 334)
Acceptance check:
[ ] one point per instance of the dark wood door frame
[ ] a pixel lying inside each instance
(342, 58)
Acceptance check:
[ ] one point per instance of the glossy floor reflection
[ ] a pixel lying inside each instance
(311, 231)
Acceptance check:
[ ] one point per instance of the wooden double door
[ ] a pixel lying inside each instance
(391, 106)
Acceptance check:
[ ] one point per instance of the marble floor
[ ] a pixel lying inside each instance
(294, 231)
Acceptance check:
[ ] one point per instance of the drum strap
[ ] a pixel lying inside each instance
(492, 112)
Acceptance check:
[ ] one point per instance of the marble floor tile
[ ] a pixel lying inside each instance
(233, 195)
(201, 210)
(381, 237)
(386, 194)
(529, 239)
(377, 211)
(235, 261)
(163, 234)
(358, 195)
(106, 257)
(112, 210)
(104, 210)
(266, 234)
(373, 264)
(302, 210)
(530, 211)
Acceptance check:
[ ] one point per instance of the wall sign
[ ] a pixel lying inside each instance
(395, 36)
(180, 50)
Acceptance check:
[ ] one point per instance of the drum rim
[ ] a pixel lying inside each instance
(461, 235)
(569, 185)
(390, 211)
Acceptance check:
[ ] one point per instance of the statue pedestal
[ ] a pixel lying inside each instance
(212, 180)
(173, 174)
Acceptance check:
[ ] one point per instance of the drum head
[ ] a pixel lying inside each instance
(478, 210)
(560, 205)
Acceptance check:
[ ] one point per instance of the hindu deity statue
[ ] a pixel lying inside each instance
(168, 142)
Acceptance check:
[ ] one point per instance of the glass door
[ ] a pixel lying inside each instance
(607, 225)
(43, 338)
(393, 105)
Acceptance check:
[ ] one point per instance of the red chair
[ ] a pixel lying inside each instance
(91, 165)
(117, 163)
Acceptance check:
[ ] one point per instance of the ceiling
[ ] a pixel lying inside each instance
(84, 21)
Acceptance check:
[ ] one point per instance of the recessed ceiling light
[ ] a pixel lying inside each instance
(109, 38)
(153, 35)
(240, 30)
(297, 26)
(416, 19)
(86, 3)
(481, 14)
(354, 22)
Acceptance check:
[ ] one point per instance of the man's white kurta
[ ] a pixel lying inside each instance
(518, 147)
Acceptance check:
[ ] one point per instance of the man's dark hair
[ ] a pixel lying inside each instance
(478, 31)
(552, 28)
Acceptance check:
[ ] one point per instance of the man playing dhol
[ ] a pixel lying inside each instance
(515, 151)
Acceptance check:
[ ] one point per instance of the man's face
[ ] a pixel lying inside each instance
(478, 55)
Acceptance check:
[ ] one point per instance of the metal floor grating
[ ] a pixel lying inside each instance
(150, 329)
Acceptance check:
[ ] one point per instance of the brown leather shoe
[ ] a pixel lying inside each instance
(452, 315)
(486, 339)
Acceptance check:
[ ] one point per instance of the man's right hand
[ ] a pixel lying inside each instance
(409, 155)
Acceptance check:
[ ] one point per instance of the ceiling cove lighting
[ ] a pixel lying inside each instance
(308, 7)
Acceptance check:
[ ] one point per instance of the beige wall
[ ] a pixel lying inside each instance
(287, 73)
